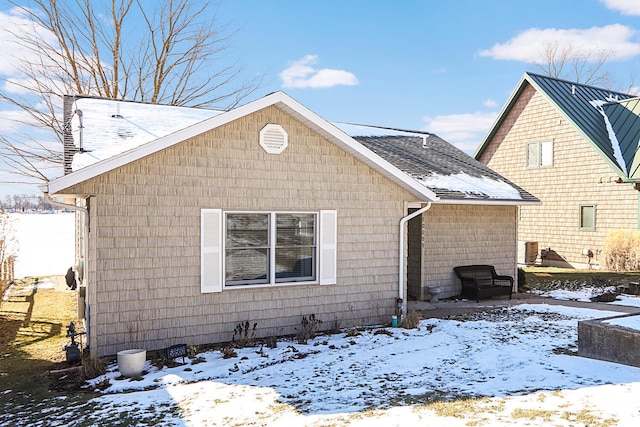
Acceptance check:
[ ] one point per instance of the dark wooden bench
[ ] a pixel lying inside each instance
(482, 281)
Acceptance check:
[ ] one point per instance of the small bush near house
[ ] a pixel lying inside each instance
(310, 326)
(621, 250)
(411, 320)
(244, 335)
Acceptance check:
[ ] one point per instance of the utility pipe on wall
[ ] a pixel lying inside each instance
(403, 221)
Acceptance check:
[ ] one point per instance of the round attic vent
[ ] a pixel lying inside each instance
(273, 139)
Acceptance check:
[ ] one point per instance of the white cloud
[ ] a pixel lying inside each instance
(490, 103)
(626, 7)
(465, 131)
(530, 45)
(301, 74)
(14, 26)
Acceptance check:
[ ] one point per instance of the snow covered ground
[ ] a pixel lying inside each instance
(513, 366)
(44, 243)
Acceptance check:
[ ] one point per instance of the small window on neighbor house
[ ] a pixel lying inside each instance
(587, 217)
(539, 154)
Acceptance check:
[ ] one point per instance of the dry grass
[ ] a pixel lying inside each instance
(411, 320)
(32, 334)
(621, 250)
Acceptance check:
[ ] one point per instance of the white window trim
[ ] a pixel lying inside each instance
(212, 261)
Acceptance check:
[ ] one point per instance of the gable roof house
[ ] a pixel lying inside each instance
(576, 148)
(195, 221)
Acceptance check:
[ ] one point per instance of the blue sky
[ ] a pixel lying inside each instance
(444, 66)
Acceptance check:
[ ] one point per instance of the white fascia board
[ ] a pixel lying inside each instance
(280, 100)
(488, 202)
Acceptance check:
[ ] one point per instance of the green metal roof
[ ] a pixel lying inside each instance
(584, 107)
(624, 117)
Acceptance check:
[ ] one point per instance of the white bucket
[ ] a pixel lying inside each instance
(131, 362)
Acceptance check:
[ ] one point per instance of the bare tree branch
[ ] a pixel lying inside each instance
(165, 51)
(576, 64)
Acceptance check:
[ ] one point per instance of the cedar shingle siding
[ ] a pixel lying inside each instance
(144, 267)
(145, 271)
(578, 176)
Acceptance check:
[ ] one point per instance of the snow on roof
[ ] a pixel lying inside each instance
(435, 163)
(471, 185)
(108, 127)
(104, 128)
(615, 144)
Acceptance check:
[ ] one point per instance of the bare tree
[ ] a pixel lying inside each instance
(165, 51)
(576, 64)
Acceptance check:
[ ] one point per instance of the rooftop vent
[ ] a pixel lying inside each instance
(273, 138)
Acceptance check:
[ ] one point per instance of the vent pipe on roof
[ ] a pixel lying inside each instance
(79, 114)
(424, 141)
(573, 90)
(117, 115)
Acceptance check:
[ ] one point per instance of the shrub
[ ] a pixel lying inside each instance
(621, 250)
(244, 335)
(310, 326)
(411, 320)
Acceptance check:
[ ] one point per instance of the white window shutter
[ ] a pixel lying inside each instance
(210, 250)
(328, 249)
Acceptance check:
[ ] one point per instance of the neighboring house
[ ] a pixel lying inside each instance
(199, 220)
(575, 147)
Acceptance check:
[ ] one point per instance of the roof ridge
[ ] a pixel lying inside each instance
(602, 89)
(419, 132)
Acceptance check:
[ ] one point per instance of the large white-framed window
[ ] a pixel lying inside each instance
(256, 248)
(270, 247)
(539, 154)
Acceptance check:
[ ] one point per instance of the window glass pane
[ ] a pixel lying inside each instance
(247, 248)
(295, 247)
(247, 230)
(247, 266)
(546, 156)
(588, 217)
(295, 229)
(533, 154)
(297, 263)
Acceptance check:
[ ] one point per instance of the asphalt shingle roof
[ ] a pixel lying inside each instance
(442, 167)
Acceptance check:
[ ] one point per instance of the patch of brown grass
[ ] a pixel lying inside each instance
(32, 334)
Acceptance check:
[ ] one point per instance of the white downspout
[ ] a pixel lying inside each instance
(85, 244)
(401, 299)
